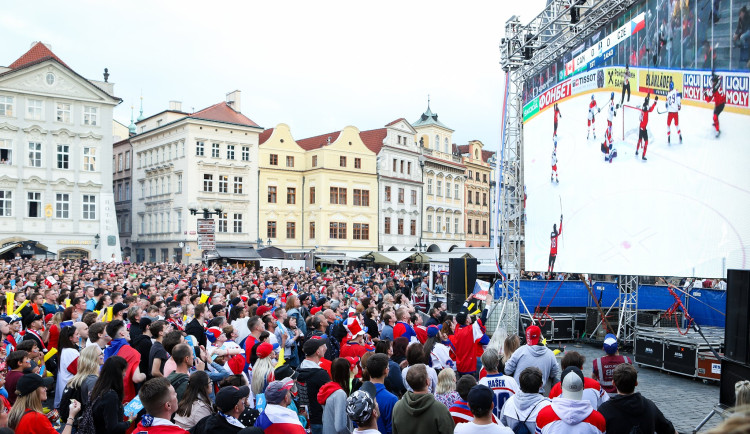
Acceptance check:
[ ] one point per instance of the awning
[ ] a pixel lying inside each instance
(238, 253)
(9, 247)
(337, 259)
(387, 258)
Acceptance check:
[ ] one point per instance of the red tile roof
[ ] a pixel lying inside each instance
(221, 112)
(265, 135)
(464, 149)
(318, 141)
(373, 139)
(37, 53)
(396, 121)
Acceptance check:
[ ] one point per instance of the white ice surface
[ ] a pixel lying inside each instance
(684, 212)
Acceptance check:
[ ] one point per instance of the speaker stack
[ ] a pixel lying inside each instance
(735, 365)
(462, 276)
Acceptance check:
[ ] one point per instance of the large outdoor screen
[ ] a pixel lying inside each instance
(684, 209)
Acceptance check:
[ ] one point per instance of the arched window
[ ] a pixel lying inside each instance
(437, 142)
(446, 146)
(476, 154)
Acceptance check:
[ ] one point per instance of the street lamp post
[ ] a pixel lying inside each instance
(206, 213)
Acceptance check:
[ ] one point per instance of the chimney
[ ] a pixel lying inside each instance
(234, 100)
(175, 106)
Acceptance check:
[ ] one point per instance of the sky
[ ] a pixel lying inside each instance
(316, 66)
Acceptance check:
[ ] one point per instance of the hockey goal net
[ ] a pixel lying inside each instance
(630, 121)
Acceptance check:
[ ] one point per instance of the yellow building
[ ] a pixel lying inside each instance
(477, 197)
(318, 193)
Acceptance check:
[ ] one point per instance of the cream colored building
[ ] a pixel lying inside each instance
(478, 194)
(444, 176)
(55, 160)
(206, 159)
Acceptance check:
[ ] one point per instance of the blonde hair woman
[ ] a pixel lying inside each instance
(263, 369)
(27, 415)
(89, 364)
(446, 387)
(742, 393)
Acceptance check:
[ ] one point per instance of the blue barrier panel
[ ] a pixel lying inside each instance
(705, 305)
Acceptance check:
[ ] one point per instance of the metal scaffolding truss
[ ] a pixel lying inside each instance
(628, 298)
(524, 51)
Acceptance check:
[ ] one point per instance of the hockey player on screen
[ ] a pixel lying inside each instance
(557, 115)
(593, 110)
(642, 133)
(553, 177)
(611, 113)
(553, 245)
(674, 104)
(626, 84)
(716, 93)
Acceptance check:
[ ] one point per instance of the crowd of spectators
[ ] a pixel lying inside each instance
(113, 347)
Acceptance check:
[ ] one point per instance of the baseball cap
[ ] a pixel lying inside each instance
(118, 307)
(28, 383)
(284, 371)
(27, 320)
(311, 345)
(433, 330)
(461, 317)
(304, 296)
(610, 343)
(262, 310)
(533, 333)
(480, 397)
(335, 304)
(277, 390)
(229, 396)
(572, 383)
(353, 361)
(359, 405)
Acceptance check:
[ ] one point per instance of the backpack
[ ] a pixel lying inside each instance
(69, 394)
(86, 422)
(521, 428)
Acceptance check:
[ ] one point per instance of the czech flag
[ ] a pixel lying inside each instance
(50, 280)
(351, 290)
(638, 23)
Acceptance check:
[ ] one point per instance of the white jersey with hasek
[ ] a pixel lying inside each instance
(674, 102)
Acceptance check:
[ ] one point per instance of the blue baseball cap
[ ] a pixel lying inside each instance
(610, 343)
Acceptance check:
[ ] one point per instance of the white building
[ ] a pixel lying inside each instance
(56, 154)
(399, 184)
(444, 177)
(206, 158)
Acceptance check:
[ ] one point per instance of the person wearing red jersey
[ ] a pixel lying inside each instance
(557, 115)
(403, 328)
(642, 132)
(605, 366)
(592, 390)
(465, 340)
(593, 109)
(354, 347)
(717, 95)
(553, 245)
(570, 413)
(159, 399)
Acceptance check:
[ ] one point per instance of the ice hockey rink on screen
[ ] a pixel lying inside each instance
(683, 212)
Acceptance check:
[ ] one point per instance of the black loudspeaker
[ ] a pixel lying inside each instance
(731, 373)
(462, 276)
(736, 336)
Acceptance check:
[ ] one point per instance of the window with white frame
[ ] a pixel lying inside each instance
(455, 225)
(90, 116)
(6, 105)
(119, 162)
(215, 150)
(448, 190)
(89, 207)
(208, 182)
(456, 194)
(35, 154)
(429, 223)
(143, 189)
(179, 221)
(222, 222)
(237, 185)
(237, 223)
(6, 151)
(62, 205)
(245, 153)
(34, 109)
(447, 225)
(142, 221)
(439, 220)
(89, 159)
(230, 152)
(437, 142)
(63, 112)
(179, 183)
(429, 185)
(223, 183)
(150, 187)
(446, 145)
(127, 190)
(6, 203)
(199, 148)
(119, 192)
(439, 187)
(127, 160)
(169, 184)
(34, 204)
